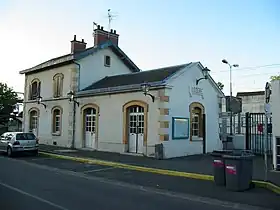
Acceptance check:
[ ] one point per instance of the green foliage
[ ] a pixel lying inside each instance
(220, 85)
(273, 78)
(8, 100)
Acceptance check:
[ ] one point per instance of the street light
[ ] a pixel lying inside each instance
(205, 73)
(146, 88)
(230, 87)
(71, 97)
(39, 101)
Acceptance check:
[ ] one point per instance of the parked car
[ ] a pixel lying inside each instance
(14, 142)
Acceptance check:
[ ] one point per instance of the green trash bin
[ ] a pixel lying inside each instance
(239, 170)
(219, 166)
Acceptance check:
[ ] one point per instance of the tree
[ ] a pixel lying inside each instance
(276, 77)
(8, 101)
(220, 85)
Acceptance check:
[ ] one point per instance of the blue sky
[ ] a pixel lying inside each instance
(153, 33)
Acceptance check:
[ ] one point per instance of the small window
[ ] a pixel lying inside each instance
(107, 61)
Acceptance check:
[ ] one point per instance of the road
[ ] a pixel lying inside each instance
(28, 185)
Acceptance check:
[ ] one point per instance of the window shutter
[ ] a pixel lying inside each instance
(200, 124)
(61, 86)
(39, 89)
(29, 92)
(54, 88)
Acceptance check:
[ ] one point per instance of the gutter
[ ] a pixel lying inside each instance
(118, 89)
(74, 109)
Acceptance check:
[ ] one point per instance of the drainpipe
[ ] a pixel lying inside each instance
(74, 109)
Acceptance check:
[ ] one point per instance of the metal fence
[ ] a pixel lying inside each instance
(251, 125)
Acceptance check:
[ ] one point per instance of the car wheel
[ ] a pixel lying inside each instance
(35, 152)
(10, 152)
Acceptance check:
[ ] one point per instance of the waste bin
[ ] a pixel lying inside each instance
(219, 166)
(239, 170)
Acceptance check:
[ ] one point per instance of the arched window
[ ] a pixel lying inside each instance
(33, 121)
(197, 122)
(34, 89)
(196, 117)
(56, 121)
(57, 85)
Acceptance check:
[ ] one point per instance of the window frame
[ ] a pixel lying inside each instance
(33, 95)
(55, 117)
(105, 61)
(197, 112)
(58, 85)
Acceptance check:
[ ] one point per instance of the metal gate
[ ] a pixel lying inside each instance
(255, 133)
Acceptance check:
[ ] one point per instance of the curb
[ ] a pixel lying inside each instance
(262, 184)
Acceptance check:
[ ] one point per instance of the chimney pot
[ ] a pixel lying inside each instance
(102, 36)
(78, 46)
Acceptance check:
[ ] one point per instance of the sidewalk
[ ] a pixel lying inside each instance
(201, 164)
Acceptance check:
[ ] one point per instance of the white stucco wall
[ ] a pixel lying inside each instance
(110, 129)
(275, 104)
(253, 104)
(45, 122)
(46, 78)
(93, 69)
(45, 119)
(180, 100)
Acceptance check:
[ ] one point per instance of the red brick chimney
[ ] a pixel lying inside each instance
(101, 36)
(77, 46)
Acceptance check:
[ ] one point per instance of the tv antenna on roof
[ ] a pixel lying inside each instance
(110, 18)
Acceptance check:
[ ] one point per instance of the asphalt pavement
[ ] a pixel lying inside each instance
(48, 184)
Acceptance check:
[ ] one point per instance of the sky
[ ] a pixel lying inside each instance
(153, 33)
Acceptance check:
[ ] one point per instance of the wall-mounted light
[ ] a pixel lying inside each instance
(39, 101)
(146, 88)
(205, 72)
(71, 97)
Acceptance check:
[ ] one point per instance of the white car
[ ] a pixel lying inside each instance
(14, 142)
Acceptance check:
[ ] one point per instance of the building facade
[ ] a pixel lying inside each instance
(109, 112)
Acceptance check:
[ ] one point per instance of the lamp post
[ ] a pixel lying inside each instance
(230, 87)
(146, 88)
(205, 72)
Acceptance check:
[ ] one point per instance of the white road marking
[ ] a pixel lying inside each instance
(100, 169)
(34, 159)
(33, 196)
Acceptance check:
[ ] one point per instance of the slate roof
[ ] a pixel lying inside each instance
(254, 93)
(70, 58)
(150, 76)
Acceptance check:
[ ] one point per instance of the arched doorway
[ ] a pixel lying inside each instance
(89, 120)
(136, 125)
(34, 121)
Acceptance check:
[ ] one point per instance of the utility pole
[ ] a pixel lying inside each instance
(230, 87)
(267, 110)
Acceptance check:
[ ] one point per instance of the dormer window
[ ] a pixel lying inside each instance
(57, 85)
(34, 89)
(107, 61)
